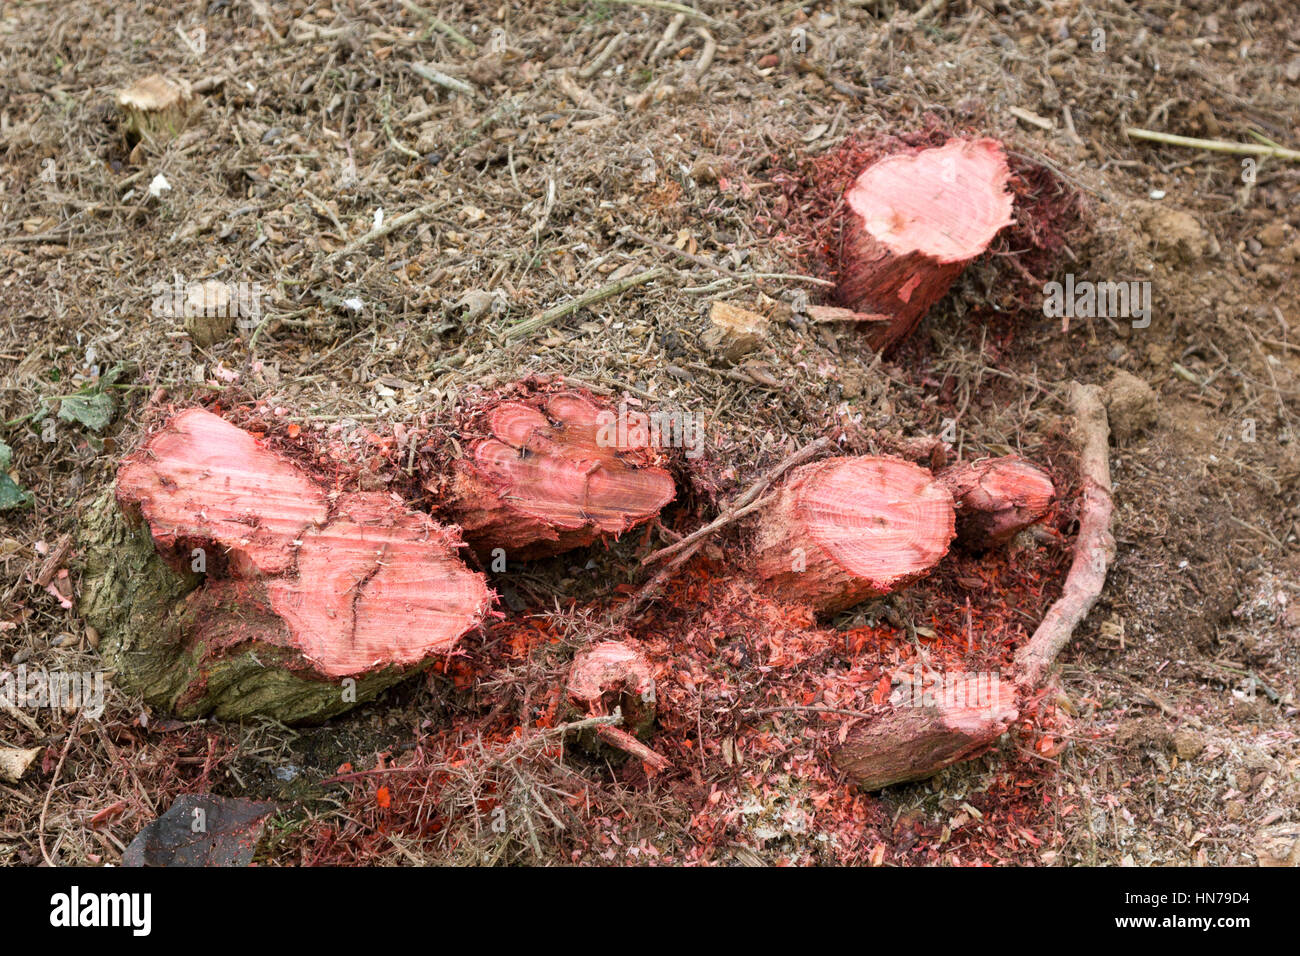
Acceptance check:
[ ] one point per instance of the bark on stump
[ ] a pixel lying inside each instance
(555, 472)
(223, 579)
(842, 530)
(912, 224)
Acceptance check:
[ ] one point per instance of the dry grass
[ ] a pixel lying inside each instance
(544, 184)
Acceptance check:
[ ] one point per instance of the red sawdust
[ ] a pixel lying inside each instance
(736, 674)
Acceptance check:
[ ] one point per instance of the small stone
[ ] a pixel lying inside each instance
(1131, 404)
(1270, 274)
(1273, 235)
(1176, 234)
(1188, 744)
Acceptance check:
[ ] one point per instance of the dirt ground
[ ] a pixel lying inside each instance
(567, 145)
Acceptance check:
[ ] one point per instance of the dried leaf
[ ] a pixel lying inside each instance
(201, 830)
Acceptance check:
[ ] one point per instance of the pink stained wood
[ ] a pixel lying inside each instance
(201, 480)
(913, 221)
(377, 586)
(548, 479)
(842, 530)
(996, 498)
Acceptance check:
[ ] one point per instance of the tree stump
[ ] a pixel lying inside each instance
(927, 731)
(996, 498)
(155, 108)
(555, 472)
(845, 529)
(912, 224)
(223, 579)
(614, 676)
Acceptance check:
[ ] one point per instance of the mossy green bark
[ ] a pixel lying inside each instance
(196, 650)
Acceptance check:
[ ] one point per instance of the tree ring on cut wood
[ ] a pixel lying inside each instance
(913, 221)
(845, 529)
(555, 472)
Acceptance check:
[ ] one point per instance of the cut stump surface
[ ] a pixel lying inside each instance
(609, 676)
(556, 472)
(224, 579)
(912, 224)
(846, 529)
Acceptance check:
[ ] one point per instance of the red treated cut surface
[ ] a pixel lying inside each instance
(608, 666)
(376, 586)
(945, 203)
(202, 479)
(553, 472)
(846, 529)
(913, 221)
(351, 584)
(882, 520)
(613, 674)
(997, 497)
(561, 474)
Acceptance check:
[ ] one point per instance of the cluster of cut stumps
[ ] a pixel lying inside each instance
(226, 579)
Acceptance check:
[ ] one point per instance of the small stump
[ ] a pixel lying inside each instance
(846, 529)
(155, 108)
(913, 223)
(554, 472)
(996, 498)
(925, 732)
(615, 676)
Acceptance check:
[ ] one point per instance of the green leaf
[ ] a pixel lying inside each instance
(92, 409)
(113, 374)
(11, 496)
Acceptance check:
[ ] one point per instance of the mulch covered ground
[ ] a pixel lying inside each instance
(717, 156)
